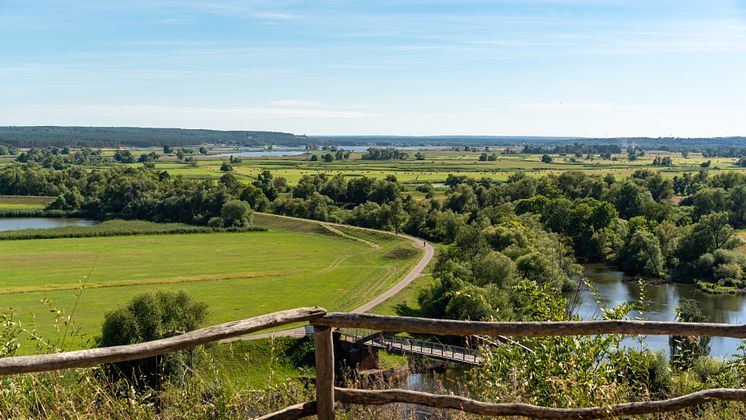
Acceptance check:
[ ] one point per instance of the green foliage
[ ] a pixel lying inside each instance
(148, 317)
(236, 213)
(554, 371)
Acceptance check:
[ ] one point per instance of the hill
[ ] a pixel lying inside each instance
(39, 136)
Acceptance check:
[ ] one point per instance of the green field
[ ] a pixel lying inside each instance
(435, 167)
(239, 275)
(438, 164)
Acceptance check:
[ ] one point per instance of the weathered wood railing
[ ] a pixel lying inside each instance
(327, 395)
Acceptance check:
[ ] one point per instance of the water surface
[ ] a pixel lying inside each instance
(19, 223)
(658, 304)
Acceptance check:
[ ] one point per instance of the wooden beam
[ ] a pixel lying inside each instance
(293, 412)
(369, 397)
(527, 329)
(87, 358)
(324, 349)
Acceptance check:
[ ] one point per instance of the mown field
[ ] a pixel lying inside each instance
(239, 275)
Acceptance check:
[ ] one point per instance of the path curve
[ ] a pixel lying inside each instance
(415, 272)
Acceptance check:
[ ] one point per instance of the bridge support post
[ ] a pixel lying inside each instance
(324, 349)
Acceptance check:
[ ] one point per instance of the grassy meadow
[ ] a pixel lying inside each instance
(238, 275)
(439, 163)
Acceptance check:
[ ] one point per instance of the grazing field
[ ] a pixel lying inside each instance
(239, 275)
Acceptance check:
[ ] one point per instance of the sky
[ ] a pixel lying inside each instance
(596, 68)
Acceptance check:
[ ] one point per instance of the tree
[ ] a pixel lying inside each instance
(641, 254)
(236, 213)
(264, 182)
(226, 167)
(124, 156)
(711, 233)
(167, 150)
(147, 317)
(314, 158)
(328, 157)
(546, 159)
(202, 150)
(709, 200)
(280, 183)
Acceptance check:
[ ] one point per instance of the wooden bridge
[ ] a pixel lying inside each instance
(328, 395)
(407, 345)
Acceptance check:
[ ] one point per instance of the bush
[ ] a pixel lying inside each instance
(236, 213)
(148, 317)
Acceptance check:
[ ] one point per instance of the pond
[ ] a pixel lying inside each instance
(658, 304)
(19, 223)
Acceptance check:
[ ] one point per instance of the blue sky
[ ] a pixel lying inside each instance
(410, 67)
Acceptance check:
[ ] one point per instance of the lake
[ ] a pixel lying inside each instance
(659, 302)
(19, 223)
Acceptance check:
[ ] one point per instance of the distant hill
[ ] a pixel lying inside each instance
(39, 136)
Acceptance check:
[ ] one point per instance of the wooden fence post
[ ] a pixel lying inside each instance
(324, 349)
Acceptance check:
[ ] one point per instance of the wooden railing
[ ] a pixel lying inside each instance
(327, 395)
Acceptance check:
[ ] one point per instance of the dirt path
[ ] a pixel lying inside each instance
(415, 272)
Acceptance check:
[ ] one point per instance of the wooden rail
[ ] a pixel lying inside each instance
(327, 395)
(93, 357)
(526, 329)
(369, 397)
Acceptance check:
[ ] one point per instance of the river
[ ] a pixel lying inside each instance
(298, 151)
(659, 302)
(19, 223)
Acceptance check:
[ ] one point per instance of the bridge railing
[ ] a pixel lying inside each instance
(413, 345)
(327, 395)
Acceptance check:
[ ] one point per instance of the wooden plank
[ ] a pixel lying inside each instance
(87, 358)
(527, 329)
(324, 349)
(369, 397)
(293, 412)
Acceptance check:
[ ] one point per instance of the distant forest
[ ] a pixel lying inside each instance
(138, 137)
(42, 136)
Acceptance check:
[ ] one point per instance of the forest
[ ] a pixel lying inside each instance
(42, 136)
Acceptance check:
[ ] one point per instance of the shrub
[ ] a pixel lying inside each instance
(236, 213)
(148, 317)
